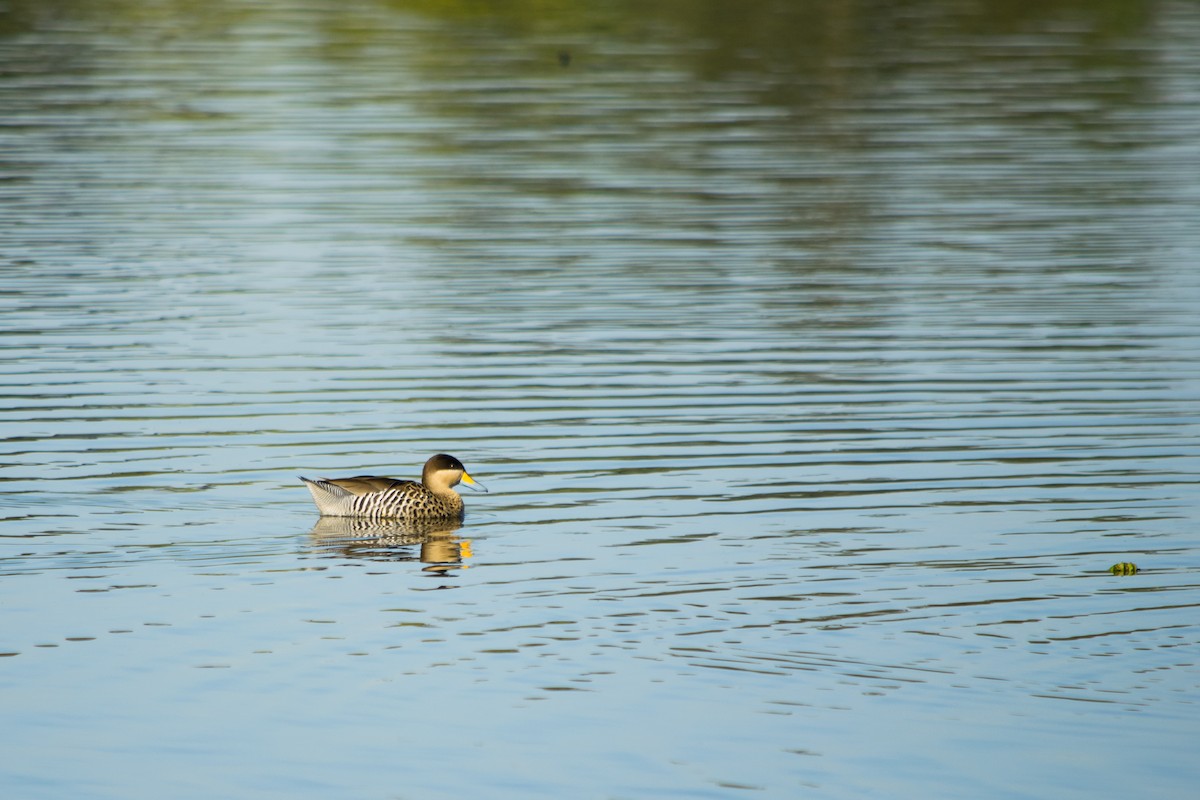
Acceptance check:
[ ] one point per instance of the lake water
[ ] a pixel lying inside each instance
(819, 359)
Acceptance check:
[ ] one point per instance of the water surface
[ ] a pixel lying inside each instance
(819, 362)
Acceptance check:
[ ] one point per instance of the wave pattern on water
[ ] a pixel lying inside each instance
(810, 395)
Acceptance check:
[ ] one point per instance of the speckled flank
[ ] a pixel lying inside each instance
(408, 500)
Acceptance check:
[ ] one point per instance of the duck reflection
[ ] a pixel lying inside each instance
(433, 543)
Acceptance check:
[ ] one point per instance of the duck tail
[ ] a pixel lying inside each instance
(329, 497)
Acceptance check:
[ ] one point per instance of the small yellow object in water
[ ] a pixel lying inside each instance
(1124, 568)
(372, 496)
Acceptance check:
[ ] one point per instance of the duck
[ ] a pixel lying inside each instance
(377, 497)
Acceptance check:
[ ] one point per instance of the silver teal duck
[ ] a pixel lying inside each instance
(376, 497)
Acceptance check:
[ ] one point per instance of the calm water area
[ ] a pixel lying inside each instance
(820, 359)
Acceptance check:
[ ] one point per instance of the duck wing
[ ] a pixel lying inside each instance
(365, 484)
